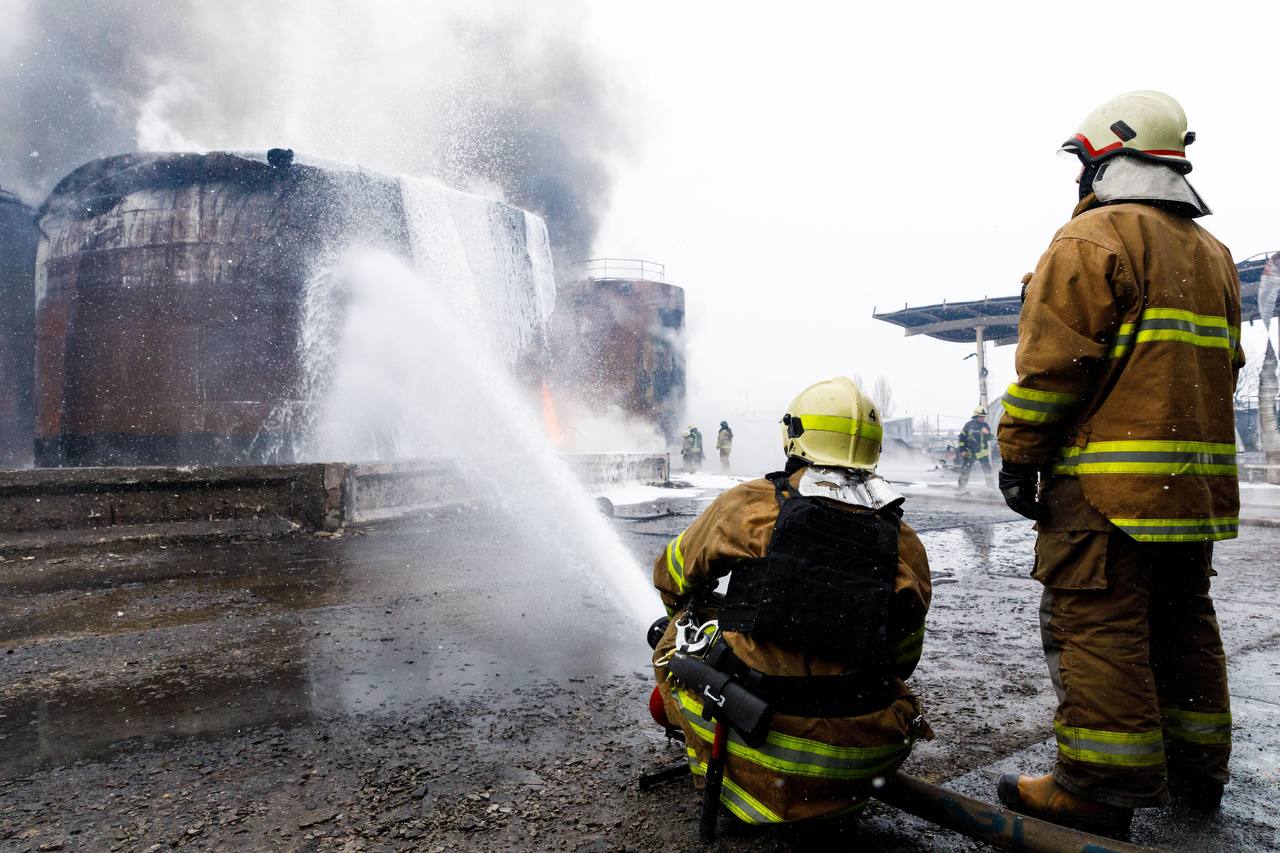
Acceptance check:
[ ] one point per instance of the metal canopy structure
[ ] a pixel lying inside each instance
(964, 322)
(1250, 270)
(960, 322)
(996, 319)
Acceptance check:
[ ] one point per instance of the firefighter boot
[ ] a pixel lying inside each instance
(1196, 792)
(1042, 797)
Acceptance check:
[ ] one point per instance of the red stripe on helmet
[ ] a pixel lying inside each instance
(1094, 153)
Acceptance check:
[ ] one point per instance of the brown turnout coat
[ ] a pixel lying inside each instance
(1128, 353)
(810, 767)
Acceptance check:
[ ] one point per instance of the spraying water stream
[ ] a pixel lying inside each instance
(409, 363)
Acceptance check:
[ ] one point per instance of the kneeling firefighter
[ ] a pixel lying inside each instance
(822, 620)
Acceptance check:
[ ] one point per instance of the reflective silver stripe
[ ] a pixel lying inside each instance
(1191, 458)
(1144, 456)
(1151, 324)
(1037, 405)
(1151, 530)
(737, 800)
(1211, 728)
(1177, 326)
(742, 804)
(1052, 651)
(675, 563)
(1028, 404)
(798, 756)
(1122, 749)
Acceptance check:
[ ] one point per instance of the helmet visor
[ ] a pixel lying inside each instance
(1070, 150)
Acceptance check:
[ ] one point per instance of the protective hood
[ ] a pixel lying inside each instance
(848, 486)
(1135, 179)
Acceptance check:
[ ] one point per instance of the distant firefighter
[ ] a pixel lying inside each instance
(975, 446)
(724, 443)
(691, 450)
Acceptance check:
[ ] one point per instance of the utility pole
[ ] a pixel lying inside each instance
(982, 366)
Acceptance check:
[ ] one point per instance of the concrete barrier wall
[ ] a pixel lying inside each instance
(322, 496)
(602, 469)
(378, 491)
(77, 498)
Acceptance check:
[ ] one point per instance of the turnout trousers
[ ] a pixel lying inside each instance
(1132, 644)
(966, 466)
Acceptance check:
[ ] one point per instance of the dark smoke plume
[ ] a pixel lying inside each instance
(492, 98)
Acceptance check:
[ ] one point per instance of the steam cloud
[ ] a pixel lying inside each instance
(488, 97)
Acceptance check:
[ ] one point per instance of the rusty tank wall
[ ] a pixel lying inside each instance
(18, 239)
(620, 342)
(169, 291)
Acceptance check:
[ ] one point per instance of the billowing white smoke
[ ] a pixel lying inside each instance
(408, 377)
(499, 98)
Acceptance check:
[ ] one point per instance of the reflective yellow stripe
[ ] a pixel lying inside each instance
(732, 796)
(799, 756)
(1148, 457)
(910, 647)
(1056, 397)
(675, 563)
(745, 806)
(845, 426)
(1042, 407)
(1178, 314)
(1209, 728)
(1177, 325)
(1121, 749)
(1179, 529)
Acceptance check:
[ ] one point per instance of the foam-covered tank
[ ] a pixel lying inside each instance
(170, 294)
(618, 341)
(18, 239)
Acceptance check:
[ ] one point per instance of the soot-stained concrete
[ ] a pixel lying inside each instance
(445, 683)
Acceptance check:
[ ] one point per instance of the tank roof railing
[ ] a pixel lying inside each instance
(636, 269)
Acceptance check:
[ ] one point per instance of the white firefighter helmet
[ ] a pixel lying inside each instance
(832, 423)
(1147, 124)
(980, 411)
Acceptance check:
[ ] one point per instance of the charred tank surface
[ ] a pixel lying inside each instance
(18, 239)
(170, 290)
(618, 340)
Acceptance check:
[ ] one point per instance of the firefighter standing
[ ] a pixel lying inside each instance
(691, 449)
(975, 447)
(825, 605)
(1127, 359)
(724, 443)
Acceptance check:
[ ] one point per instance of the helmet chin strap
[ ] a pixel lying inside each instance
(1086, 177)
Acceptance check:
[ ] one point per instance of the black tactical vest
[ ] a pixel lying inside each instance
(824, 585)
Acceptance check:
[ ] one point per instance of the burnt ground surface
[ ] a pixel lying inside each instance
(431, 685)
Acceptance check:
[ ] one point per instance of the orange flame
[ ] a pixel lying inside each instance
(551, 420)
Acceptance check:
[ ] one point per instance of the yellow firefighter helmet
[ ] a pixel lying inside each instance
(1145, 124)
(833, 423)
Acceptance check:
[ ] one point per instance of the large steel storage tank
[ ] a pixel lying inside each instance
(618, 341)
(170, 293)
(18, 238)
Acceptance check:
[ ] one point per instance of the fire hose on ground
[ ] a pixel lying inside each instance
(993, 825)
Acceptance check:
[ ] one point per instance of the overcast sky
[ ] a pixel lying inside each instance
(795, 166)
(801, 168)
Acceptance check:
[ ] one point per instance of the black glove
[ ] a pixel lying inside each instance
(1018, 484)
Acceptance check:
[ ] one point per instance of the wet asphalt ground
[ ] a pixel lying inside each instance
(441, 684)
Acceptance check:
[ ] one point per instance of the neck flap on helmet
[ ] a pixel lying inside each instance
(1136, 179)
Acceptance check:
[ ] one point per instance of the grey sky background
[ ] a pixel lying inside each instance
(795, 166)
(804, 164)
